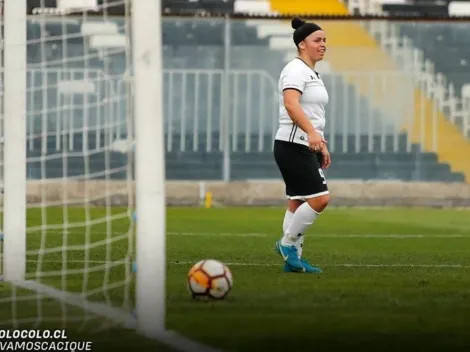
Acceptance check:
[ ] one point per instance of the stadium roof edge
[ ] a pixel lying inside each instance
(252, 16)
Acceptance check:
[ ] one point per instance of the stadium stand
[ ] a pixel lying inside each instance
(453, 125)
(447, 47)
(197, 44)
(442, 46)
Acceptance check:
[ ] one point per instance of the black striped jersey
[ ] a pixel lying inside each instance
(299, 76)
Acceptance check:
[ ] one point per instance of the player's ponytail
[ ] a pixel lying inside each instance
(297, 23)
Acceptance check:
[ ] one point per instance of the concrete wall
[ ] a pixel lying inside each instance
(258, 192)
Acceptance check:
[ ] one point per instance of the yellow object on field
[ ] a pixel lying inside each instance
(208, 200)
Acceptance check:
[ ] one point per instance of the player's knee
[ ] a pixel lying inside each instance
(319, 203)
(323, 201)
(293, 204)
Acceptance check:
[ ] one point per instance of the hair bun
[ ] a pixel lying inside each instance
(297, 22)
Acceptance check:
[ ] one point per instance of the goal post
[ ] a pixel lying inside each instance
(76, 84)
(14, 149)
(150, 166)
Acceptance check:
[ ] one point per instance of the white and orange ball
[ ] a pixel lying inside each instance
(211, 279)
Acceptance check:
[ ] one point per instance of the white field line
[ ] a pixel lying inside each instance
(313, 235)
(345, 265)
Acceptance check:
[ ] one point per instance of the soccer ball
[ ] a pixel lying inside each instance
(209, 279)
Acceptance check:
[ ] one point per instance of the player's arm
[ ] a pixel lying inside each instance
(292, 93)
(295, 111)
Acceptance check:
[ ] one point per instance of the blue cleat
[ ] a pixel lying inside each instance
(290, 256)
(289, 269)
(307, 268)
(134, 216)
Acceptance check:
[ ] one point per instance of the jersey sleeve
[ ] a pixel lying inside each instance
(293, 79)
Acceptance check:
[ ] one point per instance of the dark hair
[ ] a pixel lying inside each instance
(303, 29)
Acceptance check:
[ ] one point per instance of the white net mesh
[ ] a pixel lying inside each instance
(80, 190)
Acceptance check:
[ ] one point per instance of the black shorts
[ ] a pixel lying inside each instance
(301, 170)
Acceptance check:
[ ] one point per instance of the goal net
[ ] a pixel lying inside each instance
(69, 234)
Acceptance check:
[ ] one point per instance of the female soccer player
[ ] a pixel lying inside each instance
(300, 149)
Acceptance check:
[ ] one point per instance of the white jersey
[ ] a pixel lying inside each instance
(299, 76)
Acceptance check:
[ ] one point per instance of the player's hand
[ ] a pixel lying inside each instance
(316, 141)
(326, 162)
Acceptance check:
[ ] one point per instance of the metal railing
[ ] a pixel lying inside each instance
(362, 105)
(66, 104)
(378, 104)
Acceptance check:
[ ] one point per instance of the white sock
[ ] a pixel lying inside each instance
(287, 219)
(286, 241)
(285, 225)
(303, 218)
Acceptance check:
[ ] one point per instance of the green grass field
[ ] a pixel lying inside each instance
(393, 278)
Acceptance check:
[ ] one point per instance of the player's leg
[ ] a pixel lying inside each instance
(316, 203)
(302, 219)
(313, 184)
(300, 171)
(305, 216)
(292, 206)
(288, 162)
(286, 247)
